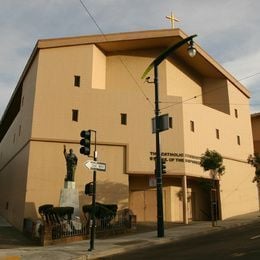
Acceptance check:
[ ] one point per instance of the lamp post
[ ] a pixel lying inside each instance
(158, 166)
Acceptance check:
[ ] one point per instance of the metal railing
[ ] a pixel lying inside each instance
(72, 228)
(69, 228)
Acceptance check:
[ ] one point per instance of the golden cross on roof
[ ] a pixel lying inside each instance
(173, 19)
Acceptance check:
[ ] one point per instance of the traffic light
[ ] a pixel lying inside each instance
(85, 142)
(163, 165)
(89, 189)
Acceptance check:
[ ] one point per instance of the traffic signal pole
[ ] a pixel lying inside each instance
(158, 165)
(90, 188)
(93, 210)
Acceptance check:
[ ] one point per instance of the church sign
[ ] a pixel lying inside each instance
(177, 157)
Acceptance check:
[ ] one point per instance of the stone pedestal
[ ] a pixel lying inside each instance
(69, 185)
(69, 197)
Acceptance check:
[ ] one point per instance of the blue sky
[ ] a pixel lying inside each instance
(227, 29)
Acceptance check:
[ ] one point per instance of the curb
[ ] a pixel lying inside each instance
(148, 242)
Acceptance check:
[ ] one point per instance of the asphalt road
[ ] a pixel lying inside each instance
(237, 243)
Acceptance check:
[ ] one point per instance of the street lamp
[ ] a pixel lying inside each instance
(158, 166)
(191, 50)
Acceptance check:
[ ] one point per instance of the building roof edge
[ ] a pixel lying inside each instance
(120, 37)
(255, 115)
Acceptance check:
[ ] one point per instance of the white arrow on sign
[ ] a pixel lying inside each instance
(93, 165)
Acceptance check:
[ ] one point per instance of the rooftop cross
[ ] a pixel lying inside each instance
(173, 19)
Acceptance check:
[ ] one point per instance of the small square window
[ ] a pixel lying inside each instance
(236, 113)
(217, 133)
(170, 122)
(123, 119)
(192, 126)
(238, 140)
(75, 115)
(76, 81)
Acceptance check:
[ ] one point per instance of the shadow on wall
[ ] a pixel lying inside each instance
(30, 211)
(108, 193)
(30, 218)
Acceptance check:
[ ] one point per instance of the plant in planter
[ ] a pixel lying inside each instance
(254, 160)
(104, 212)
(212, 161)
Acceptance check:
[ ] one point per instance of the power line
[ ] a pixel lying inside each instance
(135, 81)
(216, 103)
(92, 18)
(250, 76)
(237, 186)
(206, 92)
(137, 84)
(121, 60)
(185, 102)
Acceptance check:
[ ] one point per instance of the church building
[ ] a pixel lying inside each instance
(94, 82)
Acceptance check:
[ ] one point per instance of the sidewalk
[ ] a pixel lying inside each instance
(20, 247)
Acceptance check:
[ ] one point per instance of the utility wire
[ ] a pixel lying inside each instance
(237, 186)
(250, 76)
(206, 92)
(217, 103)
(92, 18)
(132, 76)
(121, 60)
(136, 81)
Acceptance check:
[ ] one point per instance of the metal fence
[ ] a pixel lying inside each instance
(119, 223)
(70, 230)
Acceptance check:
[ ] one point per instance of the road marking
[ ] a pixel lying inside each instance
(255, 237)
(238, 254)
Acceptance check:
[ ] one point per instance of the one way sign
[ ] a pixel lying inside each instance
(93, 165)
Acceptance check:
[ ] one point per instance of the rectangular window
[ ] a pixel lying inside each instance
(76, 81)
(170, 122)
(217, 133)
(123, 119)
(192, 126)
(75, 115)
(236, 113)
(238, 139)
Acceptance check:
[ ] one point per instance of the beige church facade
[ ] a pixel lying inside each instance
(94, 82)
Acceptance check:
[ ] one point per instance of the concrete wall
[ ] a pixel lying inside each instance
(47, 171)
(14, 150)
(238, 194)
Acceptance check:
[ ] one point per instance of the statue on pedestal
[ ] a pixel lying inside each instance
(71, 163)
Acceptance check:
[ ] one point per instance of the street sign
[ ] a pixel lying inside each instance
(93, 165)
(163, 123)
